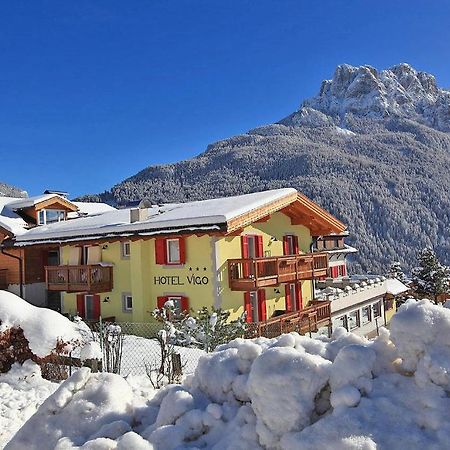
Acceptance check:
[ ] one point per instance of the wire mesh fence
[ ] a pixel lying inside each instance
(140, 351)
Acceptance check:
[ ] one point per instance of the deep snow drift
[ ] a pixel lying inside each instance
(42, 327)
(288, 393)
(22, 390)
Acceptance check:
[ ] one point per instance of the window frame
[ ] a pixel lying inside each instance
(376, 310)
(357, 321)
(369, 315)
(168, 260)
(125, 307)
(44, 221)
(123, 246)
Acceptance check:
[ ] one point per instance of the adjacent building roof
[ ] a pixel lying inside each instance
(13, 223)
(227, 214)
(395, 287)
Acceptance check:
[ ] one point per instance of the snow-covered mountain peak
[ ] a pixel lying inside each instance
(399, 91)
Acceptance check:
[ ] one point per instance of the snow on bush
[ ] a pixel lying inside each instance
(42, 327)
(293, 392)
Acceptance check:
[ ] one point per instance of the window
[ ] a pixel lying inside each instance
(170, 251)
(255, 306)
(127, 302)
(173, 251)
(126, 249)
(353, 320)
(46, 216)
(366, 315)
(252, 246)
(340, 322)
(180, 302)
(290, 244)
(293, 297)
(376, 308)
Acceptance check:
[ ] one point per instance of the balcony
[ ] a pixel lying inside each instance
(3, 279)
(305, 321)
(252, 274)
(93, 278)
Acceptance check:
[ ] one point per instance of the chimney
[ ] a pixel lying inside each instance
(138, 214)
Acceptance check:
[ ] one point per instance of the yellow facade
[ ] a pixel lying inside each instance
(203, 279)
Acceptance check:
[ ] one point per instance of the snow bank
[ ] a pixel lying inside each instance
(22, 390)
(288, 393)
(42, 327)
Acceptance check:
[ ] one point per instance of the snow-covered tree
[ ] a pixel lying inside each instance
(431, 278)
(208, 329)
(396, 271)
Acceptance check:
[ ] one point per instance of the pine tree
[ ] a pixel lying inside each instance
(431, 278)
(396, 271)
(207, 330)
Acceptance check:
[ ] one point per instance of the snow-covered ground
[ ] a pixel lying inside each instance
(292, 392)
(22, 390)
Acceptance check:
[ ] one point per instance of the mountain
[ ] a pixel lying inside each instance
(373, 147)
(10, 191)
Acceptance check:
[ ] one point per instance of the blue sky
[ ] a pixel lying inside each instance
(93, 91)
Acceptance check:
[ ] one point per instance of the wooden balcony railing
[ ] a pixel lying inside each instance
(92, 278)
(3, 279)
(252, 274)
(307, 320)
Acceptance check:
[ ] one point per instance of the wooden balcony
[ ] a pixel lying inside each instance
(3, 279)
(306, 321)
(92, 278)
(252, 274)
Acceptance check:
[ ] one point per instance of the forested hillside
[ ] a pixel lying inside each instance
(373, 148)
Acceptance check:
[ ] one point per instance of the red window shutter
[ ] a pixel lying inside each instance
(299, 297)
(182, 243)
(344, 270)
(184, 304)
(244, 246)
(288, 299)
(160, 302)
(285, 245)
(160, 251)
(262, 311)
(259, 246)
(80, 305)
(295, 241)
(248, 307)
(96, 307)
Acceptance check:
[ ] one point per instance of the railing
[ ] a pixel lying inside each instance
(307, 320)
(251, 274)
(3, 279)
(87, 278)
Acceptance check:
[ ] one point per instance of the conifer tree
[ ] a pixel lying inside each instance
(431, 278)
(396, 271)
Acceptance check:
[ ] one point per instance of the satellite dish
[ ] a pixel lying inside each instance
(145, 203)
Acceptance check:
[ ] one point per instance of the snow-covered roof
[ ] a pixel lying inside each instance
(395, 287)
(9, 220)
(90, 209)
(346, 249)
(12, 222)
(204, 214)
(31, 201)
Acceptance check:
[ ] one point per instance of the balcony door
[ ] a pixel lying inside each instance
(290, 244)
(88, 306)
(255, 306)
(293, 297)
(252, 247)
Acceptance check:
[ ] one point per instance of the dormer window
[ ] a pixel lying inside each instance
(46, 216)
